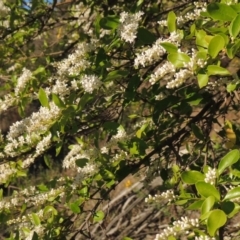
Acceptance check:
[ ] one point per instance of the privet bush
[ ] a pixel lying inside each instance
(119, 87)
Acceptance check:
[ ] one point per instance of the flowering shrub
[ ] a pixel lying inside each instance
(119, 88)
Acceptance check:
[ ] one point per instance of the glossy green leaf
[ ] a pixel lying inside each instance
(234, 27)
(196, 205)
(84, 100)
(216, 219)
(35, 219)
(217, 70)
(202, 80)
(75, 207)
(221, 11)
(48, 209)
(233, 193)
(178, 59)
(192, 177)
(58, 101)
(98, 216)
(201, 40)
(215, 46)
(228, 160)
(144, 36)
(116, 75)
(231, 87)
(169, 47)
(43, 98)
(109, 22)
(228, 207)
(171, 21)
(82, 162)
(207, 190)
(207, 204)
(197, 132)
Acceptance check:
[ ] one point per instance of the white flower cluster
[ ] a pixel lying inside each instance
(188, 72)
(179, 78)
(77, 152)
(76, 62)
(60, 88)
(122, 155)
(210, 176)
(195, 62)
(7, 102)
(204, 238)
(129, 25)
(38, 123)
(179, 227)
(158, 198)
(190, 16)
(70, 160)
(30, 196)
(43, 144)
(4, 10)
(90, 82)
(6, 171)
(156, 52)
(165, 70)
(23, 80)
(230, 2)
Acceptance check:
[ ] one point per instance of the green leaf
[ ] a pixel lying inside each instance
(84, 100)
(192, 177)
(216, 70)
(116, 75)
(171, 21)
(145, 37)
(228, 160)
(98, 216)
(48, 209)
(82, 162)
(111, 127)
(216, 219)
(58, 101)
(234, 27)
(47, 161)
(178, 59)
(75, 207)
(197, 132)
(35, 236)
(110, 22)
(196, 205)
(169, 47)
(233, 193)
(43, 98)
(206, 190)
(202, 80)
(127, 238)
(36, 219)
(231, 87)
(215, 46)
(141, 130)
(201, 40)
(207, 204)
(228, 207)
(221, 11)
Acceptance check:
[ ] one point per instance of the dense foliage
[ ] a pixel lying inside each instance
(98, 90)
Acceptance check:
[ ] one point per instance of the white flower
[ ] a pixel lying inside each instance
(179, 227)
(179, 78)
(158, 198)
(210, 176)
(165, 70)
(90, 82)
(129, 25)
(23, 80)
